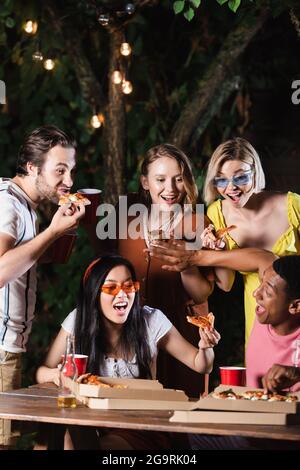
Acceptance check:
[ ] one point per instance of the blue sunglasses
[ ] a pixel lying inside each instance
(238, 180)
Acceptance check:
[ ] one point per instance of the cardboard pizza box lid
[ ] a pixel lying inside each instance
(130, 388)
(143, 404)
(233, 417)
(211, 403)
(130, 393)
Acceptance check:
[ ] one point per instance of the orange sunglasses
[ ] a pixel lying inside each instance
(114, 288)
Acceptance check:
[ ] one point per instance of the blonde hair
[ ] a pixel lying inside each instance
(234, 149)
(169, 150)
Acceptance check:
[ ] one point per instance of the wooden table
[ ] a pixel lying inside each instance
(38, 403)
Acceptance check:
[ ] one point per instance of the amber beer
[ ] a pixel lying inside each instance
(64, 401)
(66, 398)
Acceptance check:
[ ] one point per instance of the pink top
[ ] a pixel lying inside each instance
(266, 348)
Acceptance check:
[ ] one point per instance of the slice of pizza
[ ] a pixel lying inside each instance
(90, 379)
(226, 395)
(277, 397)
(255, 395)
(222, 231)
(291, 398)
(202, 321)
(75, 198)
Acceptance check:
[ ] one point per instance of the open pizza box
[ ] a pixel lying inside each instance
(213, 410)
(262, 406)
(132, 394)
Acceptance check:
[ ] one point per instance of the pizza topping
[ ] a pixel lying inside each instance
(202, 321)
(222, 231)
(90, 379)
(226, 395)
(253, 395)
(75, 198)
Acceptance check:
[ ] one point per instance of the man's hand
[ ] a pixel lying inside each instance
(280, 377)
(174, 253)
(66, 218)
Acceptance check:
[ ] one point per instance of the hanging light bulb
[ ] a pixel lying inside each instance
(130, 8)
(37, 56)
(127, 87)
(125, 48)
(30, 27)
(103, 19)
(116, 77)
(97, 120)
(49, 64)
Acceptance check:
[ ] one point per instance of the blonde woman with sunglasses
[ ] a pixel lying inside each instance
(234, 193)
(122, 339)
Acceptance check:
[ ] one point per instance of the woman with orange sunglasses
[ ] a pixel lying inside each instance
(122, 339)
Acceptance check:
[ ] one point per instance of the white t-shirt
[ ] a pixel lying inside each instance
(17, 298)
(157, 326)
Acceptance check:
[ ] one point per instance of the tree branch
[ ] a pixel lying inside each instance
(202, 105)
(89, 84)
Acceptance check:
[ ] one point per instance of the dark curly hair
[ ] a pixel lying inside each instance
(288, 268)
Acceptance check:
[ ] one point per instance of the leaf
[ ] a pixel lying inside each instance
(234, 4)
(196, 3)
(221, 2)
(178, 6)
(189, 14)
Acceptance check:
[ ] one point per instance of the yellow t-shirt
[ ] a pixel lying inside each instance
(287, 244)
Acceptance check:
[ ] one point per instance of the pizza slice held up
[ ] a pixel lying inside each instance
(75, 199)
(222, 231)
(202, 321)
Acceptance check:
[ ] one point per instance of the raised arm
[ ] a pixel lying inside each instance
(200, 360)
(15, 261)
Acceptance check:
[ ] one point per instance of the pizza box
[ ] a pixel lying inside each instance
(233, 417)
(135, 389)
(89, 390)
(261, 406)
(140, 404)
(131, 393)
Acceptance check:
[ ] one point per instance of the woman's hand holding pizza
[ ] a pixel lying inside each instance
(209, 338)
(210, 240)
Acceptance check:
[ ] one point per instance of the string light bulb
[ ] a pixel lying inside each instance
(116, 77)
(127, 87)
(130, 8)
(30, 27)
(37, 56)
(103, 19)
(97, 120)
(49, 64)
(125, 49)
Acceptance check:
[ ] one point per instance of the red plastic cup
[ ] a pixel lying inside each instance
(60, 250)
(233, 375)
(93, 195)
(80, 361)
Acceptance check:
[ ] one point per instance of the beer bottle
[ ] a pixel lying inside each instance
(66, 396)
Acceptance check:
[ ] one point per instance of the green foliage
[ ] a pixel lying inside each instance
(188, 7)
(170, 57)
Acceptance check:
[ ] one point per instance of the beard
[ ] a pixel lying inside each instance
(45, 191)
